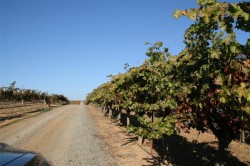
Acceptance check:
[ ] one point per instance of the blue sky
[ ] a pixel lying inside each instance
(70, 46)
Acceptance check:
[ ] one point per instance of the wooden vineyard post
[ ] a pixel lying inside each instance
(140, 140)
(110, 113)
(119, 117)
(128, 118)
(242, 136)
(152, 147)
(104, 111)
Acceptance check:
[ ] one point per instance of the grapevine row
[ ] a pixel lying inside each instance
(12, 94)
(206, 86)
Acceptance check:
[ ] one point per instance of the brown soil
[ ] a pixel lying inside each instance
(123, 146)
(192, 148)
(239, 150)
(10, 115)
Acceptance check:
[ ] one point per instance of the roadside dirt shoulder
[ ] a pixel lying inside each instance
(122, 146)
(192, 148)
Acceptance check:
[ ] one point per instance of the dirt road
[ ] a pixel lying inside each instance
(65, 135)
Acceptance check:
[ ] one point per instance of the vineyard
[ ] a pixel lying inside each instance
(206, 86)
(16, 103)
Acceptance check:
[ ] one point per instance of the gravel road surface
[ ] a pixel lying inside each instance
(65, 136)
